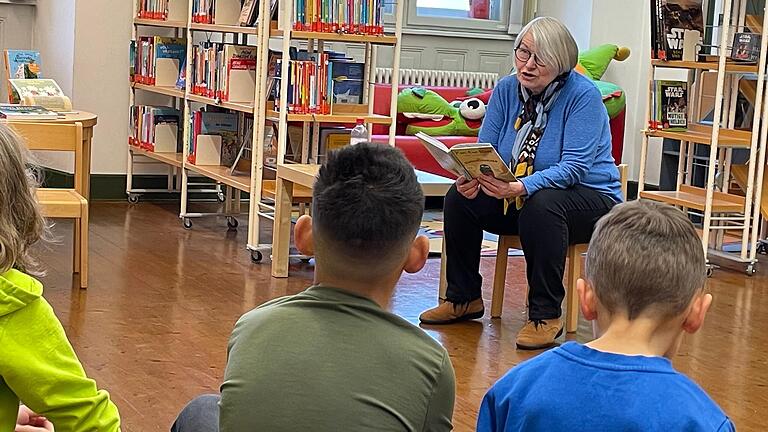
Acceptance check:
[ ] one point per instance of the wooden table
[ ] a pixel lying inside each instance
(289, 175)
(89, 121)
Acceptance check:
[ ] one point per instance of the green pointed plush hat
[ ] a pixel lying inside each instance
(595, 61)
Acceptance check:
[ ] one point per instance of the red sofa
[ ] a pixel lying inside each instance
(418, 155)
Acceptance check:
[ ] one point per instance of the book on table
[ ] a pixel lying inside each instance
(469, 160)
(18, 112)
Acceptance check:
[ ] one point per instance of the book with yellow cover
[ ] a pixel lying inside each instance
(469, 160)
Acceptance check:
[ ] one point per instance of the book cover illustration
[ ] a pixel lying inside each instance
(746, 47)
(224, 125)
(347, 82)
(21, 64)
(672, 105)
(678, 16)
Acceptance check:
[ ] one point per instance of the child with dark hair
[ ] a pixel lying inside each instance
(643, 290)
(332, 358)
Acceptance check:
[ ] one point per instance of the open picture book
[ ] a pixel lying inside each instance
(469, 160)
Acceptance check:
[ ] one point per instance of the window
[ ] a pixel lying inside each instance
(480, 16)
(475, 9)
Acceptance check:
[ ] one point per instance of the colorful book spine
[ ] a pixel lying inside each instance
(309, 86)
(152, 9)
(339, 16)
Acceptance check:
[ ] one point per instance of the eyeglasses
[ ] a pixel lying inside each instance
(524, 55)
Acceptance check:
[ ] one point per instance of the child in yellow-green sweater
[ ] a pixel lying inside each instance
(37, 363)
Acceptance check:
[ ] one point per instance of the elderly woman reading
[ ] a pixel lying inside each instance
(550, 123)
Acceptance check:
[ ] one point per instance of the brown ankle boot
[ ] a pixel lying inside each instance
(539, 334)
(447, 312)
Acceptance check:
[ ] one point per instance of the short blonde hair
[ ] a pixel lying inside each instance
(21, 223)
(555, 45)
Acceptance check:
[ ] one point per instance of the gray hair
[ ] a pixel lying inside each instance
(21, 223)
(645, 258)
(555, 45)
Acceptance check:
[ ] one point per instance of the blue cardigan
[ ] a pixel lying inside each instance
(576, 145)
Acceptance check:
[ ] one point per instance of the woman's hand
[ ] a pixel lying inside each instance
(468, 189)
(500, 189)
(28, 421)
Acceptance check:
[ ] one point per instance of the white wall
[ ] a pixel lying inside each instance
(575, 14)
(626, 23)
(54, 37)
(100, 86)
(84, 47)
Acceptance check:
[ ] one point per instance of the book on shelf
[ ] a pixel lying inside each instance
(334, 16)
(249, 13)
(224, 71)
(272, 73)
(347, 81)
(158, 60)
(214, 138)
(43, 92)
(669, 21)
(333, 138)
(746, 47)
(469, 160)
(669, 102)
(21, 64)
(220, 12)
(204, 11)
(152, 9)
(155, 128)
(26, 112)
(310, 84)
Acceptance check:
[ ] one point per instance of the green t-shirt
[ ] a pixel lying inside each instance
(330, 360)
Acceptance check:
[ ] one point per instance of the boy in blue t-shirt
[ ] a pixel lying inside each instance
(643, 289)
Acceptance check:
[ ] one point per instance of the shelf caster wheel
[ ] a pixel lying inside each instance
(232, 223)
(187, 223)
(751, 270)
(133, 198)
(256, 256)
(710, 271)
(220, 197)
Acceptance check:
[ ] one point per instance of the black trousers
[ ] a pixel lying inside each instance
(549, 221)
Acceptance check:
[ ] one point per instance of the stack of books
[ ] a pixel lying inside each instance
(153, 9)
(669, 105)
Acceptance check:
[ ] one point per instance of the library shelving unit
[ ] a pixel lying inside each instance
(723, 211)
(175, 24)
(283, 32)
(180, 23)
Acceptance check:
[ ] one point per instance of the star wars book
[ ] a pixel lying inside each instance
(671, 105)
(677, 17)
(746, 47)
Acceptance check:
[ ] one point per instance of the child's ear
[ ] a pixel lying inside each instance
(698, 310)
(587, 299)
(302, 234)
(417, 255)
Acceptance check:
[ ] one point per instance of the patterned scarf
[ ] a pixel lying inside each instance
(530, 127)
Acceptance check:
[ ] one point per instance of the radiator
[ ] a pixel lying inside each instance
(439, 78)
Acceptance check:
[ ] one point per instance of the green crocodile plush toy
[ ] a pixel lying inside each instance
(424, 110)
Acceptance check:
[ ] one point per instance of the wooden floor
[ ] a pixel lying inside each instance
(152, 327)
